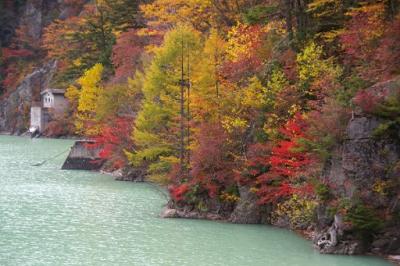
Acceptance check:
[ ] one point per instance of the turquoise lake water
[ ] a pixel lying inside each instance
(53, 217)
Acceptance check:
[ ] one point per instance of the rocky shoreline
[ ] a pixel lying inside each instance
(247, 212)
(347, 248)
(329, 237)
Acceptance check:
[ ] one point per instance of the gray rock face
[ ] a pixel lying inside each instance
(185, 214)
(365, 159)
(247, 210)
(355, 167)
(33, 16)
(387, 242)
(169, 213)
(330, 241)
(362, 159)
(37, 14)
(15, 109)
(131, 174)
(8, 24)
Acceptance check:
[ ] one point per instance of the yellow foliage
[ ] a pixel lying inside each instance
(382, 186)
(90, 88)
(172, 12)
(204, 96)
(230, 123)
(294, 109)
(276, 83)
(72, 94)
(324, 8)
(312, 67)
(241, 42)
(299, 210)
(242, 103)
(155, 135)
(226, 197)
(254, 190)
(254, 95)
(87, 102)
(309, 62)
(376, 16)
(328, 11)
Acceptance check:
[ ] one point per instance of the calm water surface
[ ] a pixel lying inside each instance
(54, 217)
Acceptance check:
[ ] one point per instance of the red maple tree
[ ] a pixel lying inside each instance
(286, 165)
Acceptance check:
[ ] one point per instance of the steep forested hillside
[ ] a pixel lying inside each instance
(278, 111)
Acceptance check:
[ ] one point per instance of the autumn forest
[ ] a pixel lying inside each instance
(284, 112)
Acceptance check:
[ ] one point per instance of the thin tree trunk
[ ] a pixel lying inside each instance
(188, 110)
(182, 102)
(288, 17)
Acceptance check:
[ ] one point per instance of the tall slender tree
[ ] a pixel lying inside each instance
(160, 128)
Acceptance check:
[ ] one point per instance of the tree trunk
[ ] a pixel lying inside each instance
(182, 113)
(288, 7)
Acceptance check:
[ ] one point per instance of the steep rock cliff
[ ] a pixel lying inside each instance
(33, 16)
(364, 168)
(15, 109)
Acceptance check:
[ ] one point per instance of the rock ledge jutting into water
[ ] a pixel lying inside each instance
(174, 213)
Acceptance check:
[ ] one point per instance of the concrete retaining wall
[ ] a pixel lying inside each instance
(82, 157)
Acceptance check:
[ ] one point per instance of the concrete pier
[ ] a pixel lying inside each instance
(82, 157)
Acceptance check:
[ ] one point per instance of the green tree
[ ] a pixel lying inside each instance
(81, 41)
(157, 127)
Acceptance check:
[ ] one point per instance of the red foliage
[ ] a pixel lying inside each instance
(74, 2)
(371, 45)
(255, 164)
(10, 74)
(285, 164)
(114, 138)
(370, 99)
(9, 53)
(359, 34)
(8, 4)
(244, 67)
(387, 55)
(127, 52)
(367, 100)
(9, 69)
(73, 7)
(178, 192)
(212, 169)
(250, 61)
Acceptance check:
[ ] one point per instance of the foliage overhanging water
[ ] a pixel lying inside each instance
(54, 217)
